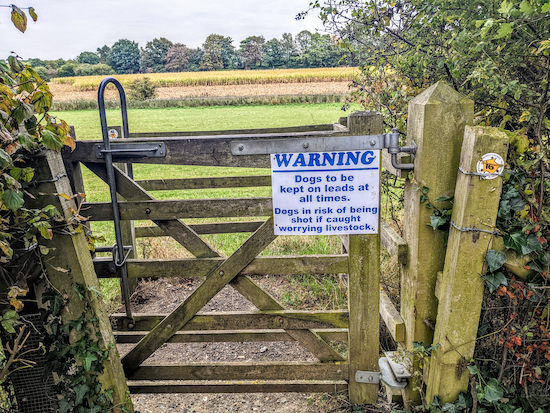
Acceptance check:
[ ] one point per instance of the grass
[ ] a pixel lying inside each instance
(205, 118)
(229, 77)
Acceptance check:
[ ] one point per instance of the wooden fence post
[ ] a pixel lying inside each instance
(70, 252)
(460, 289)
(364, 288)
(436, 122)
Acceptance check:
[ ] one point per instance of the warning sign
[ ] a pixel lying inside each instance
(326, 193)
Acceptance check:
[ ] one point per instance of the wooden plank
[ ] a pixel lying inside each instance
(214, 228)
(200, 150)
(393, 243)
(159, 210)
(259, 370)
(178, 230)
(264, 301)
(286, 129)
(247, 320)
(213, 284)
(201, 183)
(234, 336)
(199, 267)
(156, 387)
(392, 318)
(364, 288)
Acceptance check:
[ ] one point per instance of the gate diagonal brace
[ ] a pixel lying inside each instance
(215, 281)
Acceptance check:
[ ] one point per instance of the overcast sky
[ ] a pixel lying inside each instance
(65, 28)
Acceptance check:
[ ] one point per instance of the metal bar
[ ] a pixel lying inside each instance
(307, 144)
(112, 182)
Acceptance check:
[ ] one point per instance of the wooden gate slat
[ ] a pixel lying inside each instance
(232, 336)
(200, 267)
(264, 301)
(180, 208)
(215, 281)
(178, 230)
(237, 387)
(259, 370)
(245, 320)
(211, 228)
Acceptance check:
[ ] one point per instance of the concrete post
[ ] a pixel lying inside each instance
(436, 122)
(460, 289)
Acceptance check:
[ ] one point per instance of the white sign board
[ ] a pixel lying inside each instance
(326, 193)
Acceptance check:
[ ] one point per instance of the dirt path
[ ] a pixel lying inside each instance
(162, 296)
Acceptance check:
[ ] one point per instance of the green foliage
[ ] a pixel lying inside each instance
(141, 89)
(152, 57)
(217, 52)
(76, 357)
(90, 58)
(124, 57)
(25, 101)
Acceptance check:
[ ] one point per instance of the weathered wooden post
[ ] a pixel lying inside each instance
(436, 122)
(70, 253)
(460, 289)
(364, 287)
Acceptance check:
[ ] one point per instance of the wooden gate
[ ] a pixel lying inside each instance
(358, 326)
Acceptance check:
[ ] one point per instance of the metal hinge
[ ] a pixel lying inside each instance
(394, 371)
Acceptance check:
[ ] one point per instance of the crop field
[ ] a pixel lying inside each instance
(231, 77)
(66, 92)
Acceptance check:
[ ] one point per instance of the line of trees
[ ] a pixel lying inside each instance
(218, 52)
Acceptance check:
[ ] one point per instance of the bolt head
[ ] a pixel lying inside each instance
(222, 273)
(305, 145)
(148, 211)
(372, 143)
(240, 147)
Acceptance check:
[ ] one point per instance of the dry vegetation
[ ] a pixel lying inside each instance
(66, 92)
(233, 77)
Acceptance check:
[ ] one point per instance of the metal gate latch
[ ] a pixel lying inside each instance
(394, 371)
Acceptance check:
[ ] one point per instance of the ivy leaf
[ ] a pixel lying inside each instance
(493, 281)
(515, 241)
(531, 245)
(436, 221)
(88, 360)
(473, 369)
(495, 259)
(80, 391)
(64, 406)
(33, 14)
(12, 199)
(18, 18)
(493, 392)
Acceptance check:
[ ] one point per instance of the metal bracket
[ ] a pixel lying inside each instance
(393, 372)
(131, 150)
(327, 144)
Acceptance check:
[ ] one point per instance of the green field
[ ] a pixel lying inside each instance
(87, 125)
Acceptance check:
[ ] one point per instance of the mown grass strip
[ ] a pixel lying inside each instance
(198, 102)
